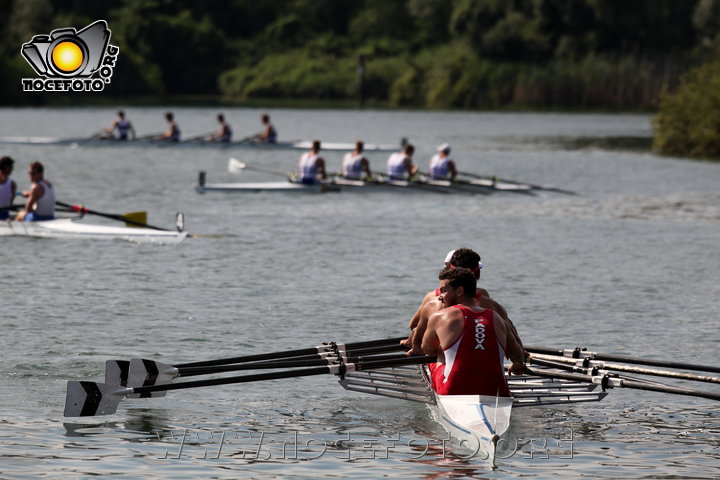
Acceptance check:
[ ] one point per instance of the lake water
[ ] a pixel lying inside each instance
(629, 266)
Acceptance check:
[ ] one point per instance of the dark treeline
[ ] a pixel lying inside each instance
(607, 54)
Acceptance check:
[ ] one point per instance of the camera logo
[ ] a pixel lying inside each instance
(71, 60)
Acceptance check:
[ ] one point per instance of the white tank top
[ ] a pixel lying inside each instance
(6, 193)
(45, 205)
(396, 165)
(439, 167)
(351, 166)
(308, 166)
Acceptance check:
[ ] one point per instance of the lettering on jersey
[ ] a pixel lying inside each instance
(479, 334)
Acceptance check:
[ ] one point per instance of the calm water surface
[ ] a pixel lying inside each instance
(629, 266)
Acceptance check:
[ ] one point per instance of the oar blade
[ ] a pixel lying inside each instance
(88, 399)
(235, 165)
(116, 372)
(135, 219)
(146, 373)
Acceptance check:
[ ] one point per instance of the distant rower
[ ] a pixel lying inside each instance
(225, 133)
(355, 163)
(441, 165)
(7, 187)
(399, 164)
(172, 134)
(123, 127)
(311, 168)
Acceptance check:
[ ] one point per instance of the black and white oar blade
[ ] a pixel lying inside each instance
(87, 399)
(146, 373)
(235, 165)
(116, 372)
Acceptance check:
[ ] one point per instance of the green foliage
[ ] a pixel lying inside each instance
(688, 124)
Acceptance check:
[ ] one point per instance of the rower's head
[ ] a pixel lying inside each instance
(6, 165)
(315, 146)
(169, 116)
(464, 258)
(444, 148)
(36, 171)
(221, 118)
(265, 118)
(456, 285)
(359, 145)
(408, 149)
(121, 114)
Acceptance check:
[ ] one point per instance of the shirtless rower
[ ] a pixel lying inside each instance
(399, 164)
(311, 168)
(355, 164)
(40, 198)
(469, 342)
(460, 258)
(442, 167)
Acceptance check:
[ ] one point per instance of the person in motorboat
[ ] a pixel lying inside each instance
(469, 342)
(172, 134)
(123, 127)
(311, 167)
(40, 203)
(459, 258)
(399, 164)
(8, 187)
(442, 167)
(354, 164)
(223, 135)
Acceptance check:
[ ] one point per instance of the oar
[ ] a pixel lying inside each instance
(608, 381)
(150, 136)
(587, 363)
(144, 372)
(85, 398)
(236, 166)
(461, 185)
(383, 179)
(531, 185)
(581, 353)
(122, 218)
(117, 371)
(199, 138)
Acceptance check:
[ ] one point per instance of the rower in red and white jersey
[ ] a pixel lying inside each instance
(463, 258)
(469, 341)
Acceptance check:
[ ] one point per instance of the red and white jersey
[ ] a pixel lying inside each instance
(474, 362)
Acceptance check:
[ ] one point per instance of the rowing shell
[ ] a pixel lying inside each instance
(145, 142)
(70, 228)
(338, 184)
(476, 422)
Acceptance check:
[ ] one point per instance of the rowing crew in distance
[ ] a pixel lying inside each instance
(122, 129)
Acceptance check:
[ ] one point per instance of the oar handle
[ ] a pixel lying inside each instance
(581, 353)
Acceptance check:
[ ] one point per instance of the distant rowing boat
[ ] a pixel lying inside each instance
(339, 184)
(70, 228)
(148, 142)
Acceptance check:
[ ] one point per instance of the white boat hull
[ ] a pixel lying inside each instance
(70, 228)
